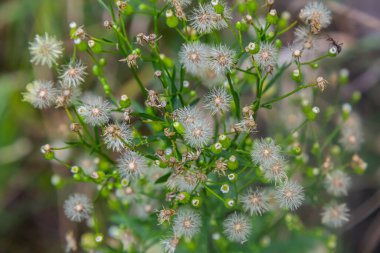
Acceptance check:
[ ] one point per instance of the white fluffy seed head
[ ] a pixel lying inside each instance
(41, 94)
(275, 171)
(218, 101)
(170, 244)
(199, 134)
(316, 15)
(237, 227)
(203, 19)
(193, 56)
(187, 222)
(78, 207)
(335, 215)
(267, 56)
(221, 59)
(352, 134)
(290, 195)
(265, 152)
(337, 183)
(95, 111)
(72, 74)
(115, 135)
(255, 202)
(131, 165)
(45, 50)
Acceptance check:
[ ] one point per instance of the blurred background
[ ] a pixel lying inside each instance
(30, 207)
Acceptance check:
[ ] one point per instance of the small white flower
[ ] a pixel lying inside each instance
(290, 195)
(221, 59)
(45, 50)
(41, 94)
(337, 183)
(237, 227)
(218, 101)
(131, 165)
(255, 202)
(187, 222)
(335, 215)
(77, 207)
(73, 74)
(225, 188)
(115, 135)
(95, 111)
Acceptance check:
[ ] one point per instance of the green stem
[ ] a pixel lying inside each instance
(287, 95)
(235, 96)
(213, 193)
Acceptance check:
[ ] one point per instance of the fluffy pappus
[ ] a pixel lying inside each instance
(41, 94)
(218, 101)
(131, 165)
(95, 111)
(116, 135)
(45, 50)
(255, 202)
(187, 222)
(335, 215)
(72, 74)
(193, 56)
(77, 207)
(237, 227)
(337, 183)
(290, 195)
(265, 152)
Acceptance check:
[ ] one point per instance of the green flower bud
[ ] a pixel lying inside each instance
(232, 177)
(196, 202)
(77, 177)
(229, 203)
(125, 101)
(88, 241)
(297, 75)
(335, 150)
(278, 43)
(219, 9)
(251, 5)
(333, 51)
(315, 149)
(183, 197)
(81, 45)
(252, 48)
(346, 111)
(95, 46)
(102, 62)
(179, 127)
(272, 17)
(224, 140)
(95, 70)
(232, 163)
(143, 7)
(217, 148)
(344, 76)
(356, 96)
(171, 19)
(314, 65)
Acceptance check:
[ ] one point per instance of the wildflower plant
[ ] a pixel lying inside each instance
(196, 163)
